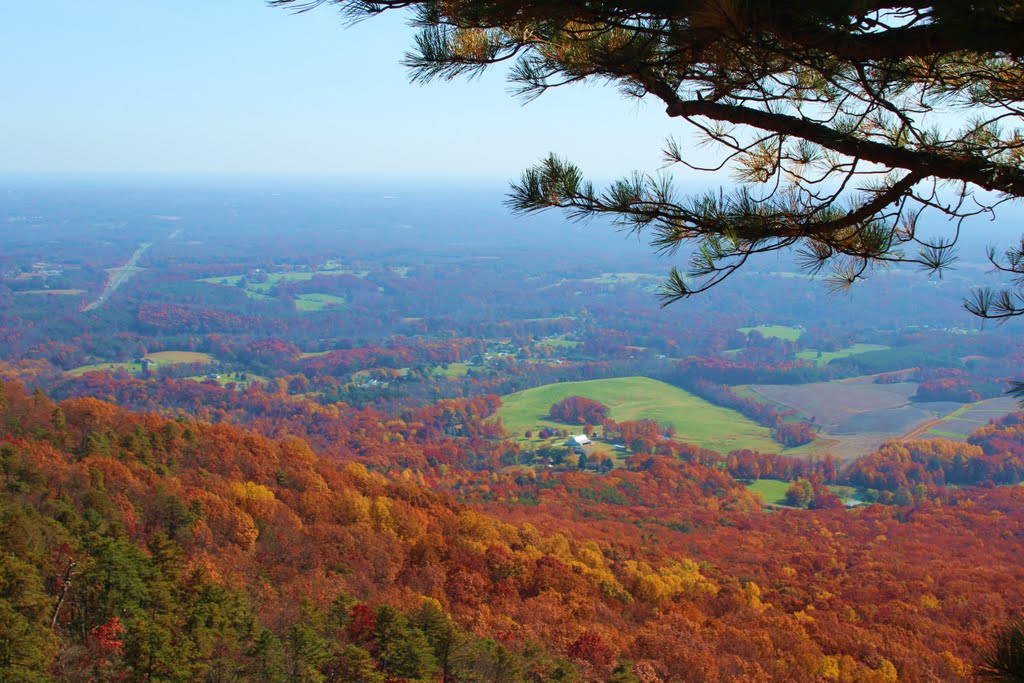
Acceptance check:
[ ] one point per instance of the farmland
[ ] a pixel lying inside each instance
(157, 357)
(633, 398)
(856, 416)
(260, 285)
(777, 331)
(959, 424)
(317, 302)
(451, 370)
(825, 357)
(103, 367)
(559, 342)
(172, 357)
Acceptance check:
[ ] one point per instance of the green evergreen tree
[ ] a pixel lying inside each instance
(404, 650)
(356, 665)
(27, 646)
(830, 113)
(481, 660)
(440, 631)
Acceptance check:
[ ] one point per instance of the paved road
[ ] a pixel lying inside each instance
(118, 277)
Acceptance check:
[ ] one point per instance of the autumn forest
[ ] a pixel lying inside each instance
(323, 434)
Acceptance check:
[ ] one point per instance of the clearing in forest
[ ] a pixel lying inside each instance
(318, 302)
(559, 342)
(780, 331)
(772, 490)
(959, 424)
(173, 357)
(635, 398)
(855, 416)
(158, 357)
(825, 357)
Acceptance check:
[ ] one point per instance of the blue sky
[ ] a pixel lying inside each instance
(233, 86)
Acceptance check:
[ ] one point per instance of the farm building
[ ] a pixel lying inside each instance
(578, 441)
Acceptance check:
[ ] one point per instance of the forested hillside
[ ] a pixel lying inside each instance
(141, 548)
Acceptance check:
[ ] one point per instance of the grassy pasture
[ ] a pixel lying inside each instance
(306, 303)
(158, 357)
(272, 280)
(825, 357)
(634, 398)
(772, 490)
(173, 357)
(451, 370)
(779, 331)
(317, 302)
(103, 367)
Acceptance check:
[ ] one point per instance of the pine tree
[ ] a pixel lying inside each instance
(845, 121)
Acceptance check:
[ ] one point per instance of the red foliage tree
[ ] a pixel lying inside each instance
(579, 410)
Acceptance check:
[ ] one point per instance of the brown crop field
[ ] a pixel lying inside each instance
(959, 424)
(856, 416)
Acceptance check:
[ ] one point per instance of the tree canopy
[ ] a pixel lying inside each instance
(843, 121)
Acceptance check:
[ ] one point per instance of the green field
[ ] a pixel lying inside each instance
(158, 357)
(172, 357)
(262, 287)
(103, 367)
(772, 490)
(779, 331)
(318, 302)
(274, 279)
(825, 357)
(559, 342)
(451, 370)
(309, 302)
(634, 398)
